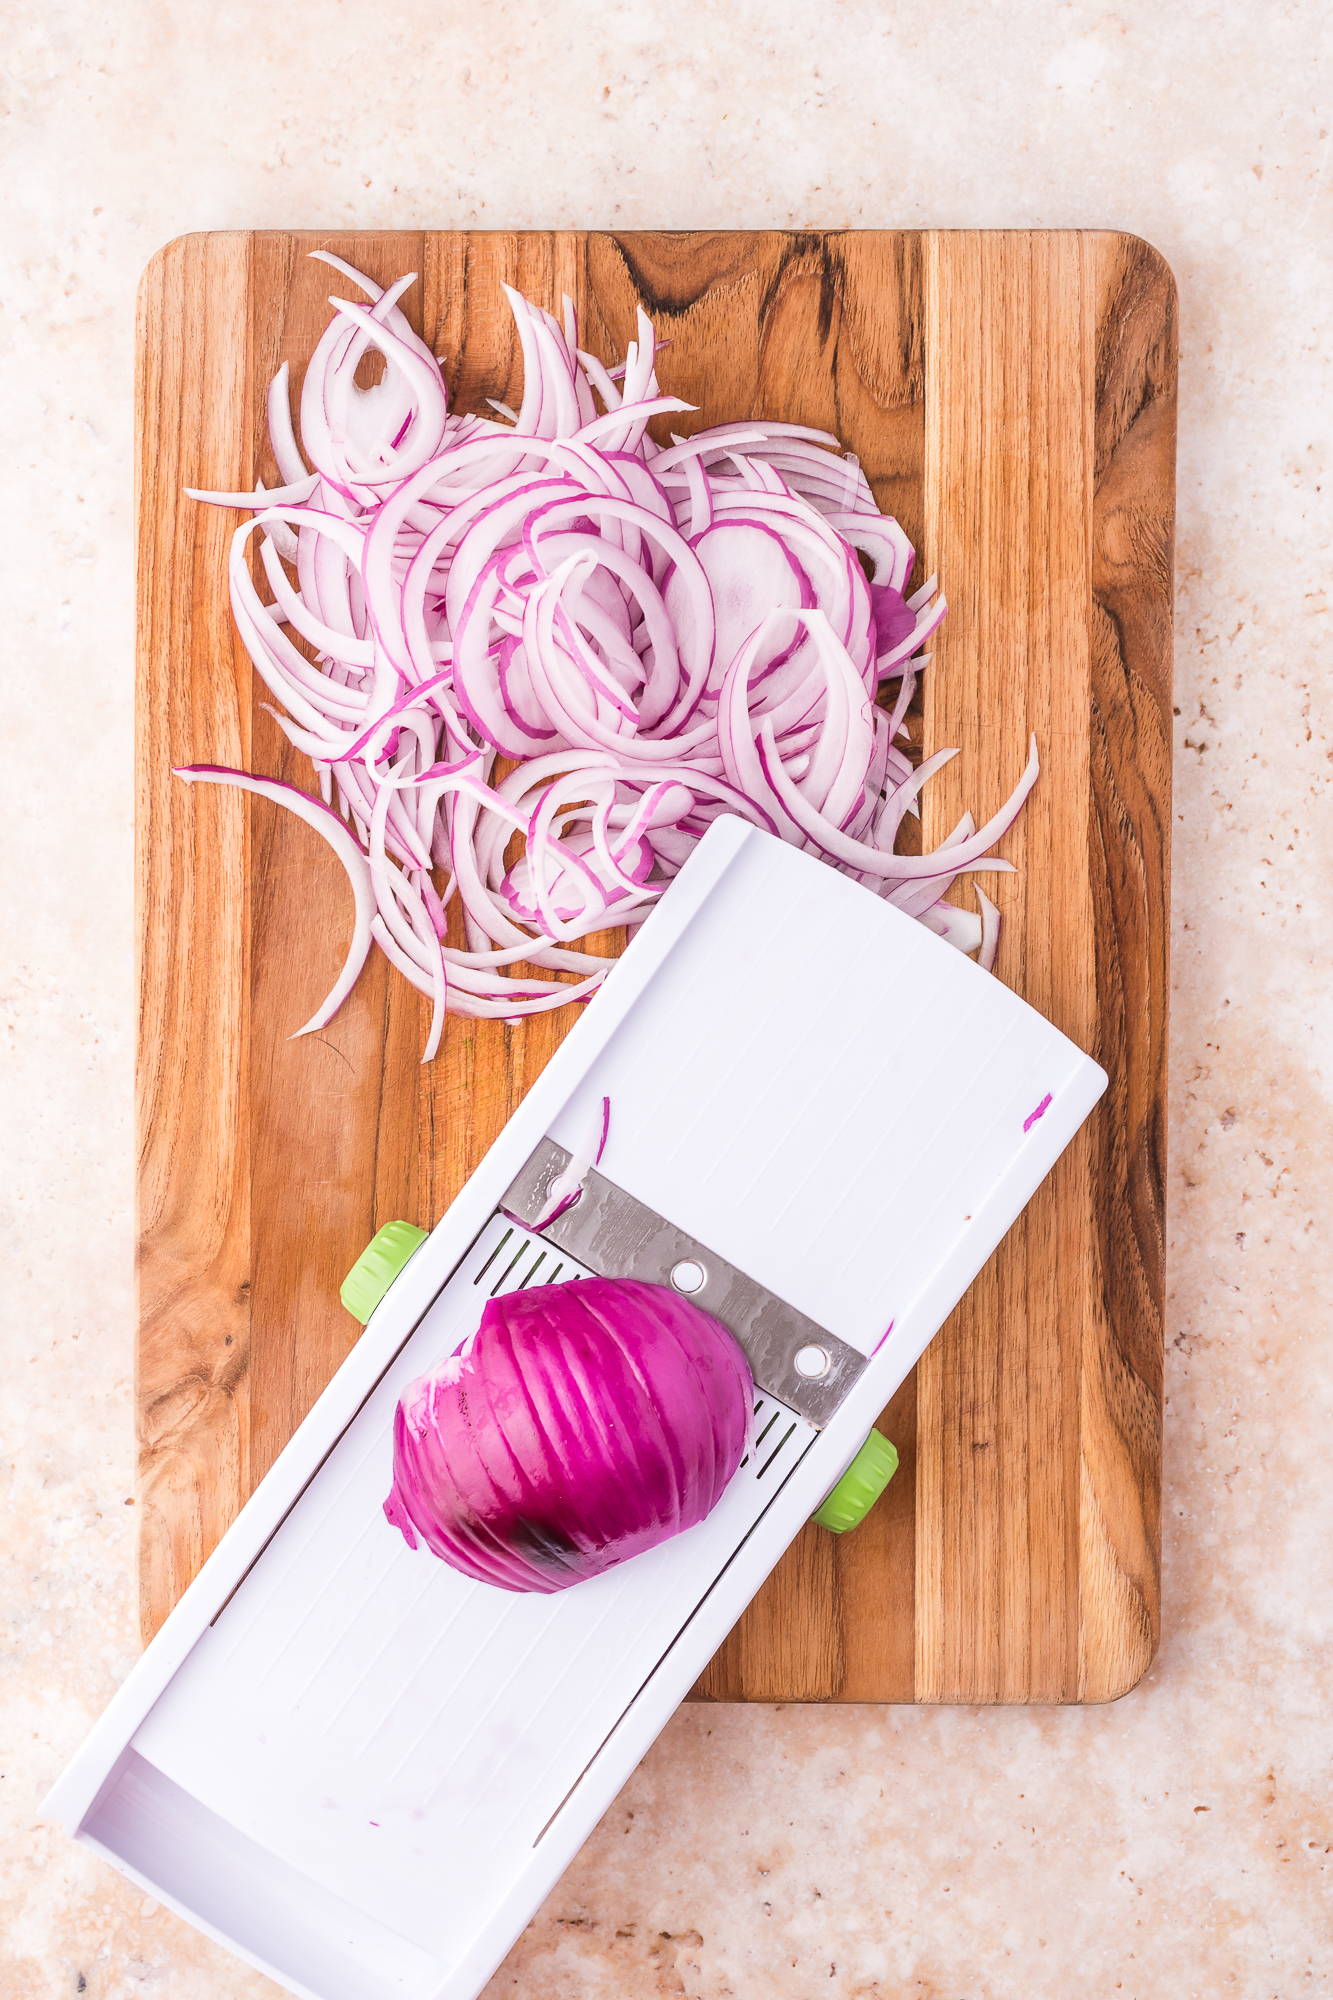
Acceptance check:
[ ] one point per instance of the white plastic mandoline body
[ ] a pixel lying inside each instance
(363, 1772)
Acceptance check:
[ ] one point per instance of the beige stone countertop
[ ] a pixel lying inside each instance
(1180, 1841)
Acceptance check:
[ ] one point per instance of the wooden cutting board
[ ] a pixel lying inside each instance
(1012, 398)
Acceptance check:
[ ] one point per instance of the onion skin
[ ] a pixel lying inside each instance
(583, 1424)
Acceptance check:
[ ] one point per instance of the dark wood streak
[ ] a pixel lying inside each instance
(1130, 836)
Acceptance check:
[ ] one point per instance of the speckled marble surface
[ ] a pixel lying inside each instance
(1179, 1843)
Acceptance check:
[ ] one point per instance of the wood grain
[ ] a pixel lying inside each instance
(1039, 1404)
(192, 923)
(1012, 399)
(1007, 491)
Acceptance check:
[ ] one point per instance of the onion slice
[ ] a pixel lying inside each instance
(567, 1188)
(329, 827)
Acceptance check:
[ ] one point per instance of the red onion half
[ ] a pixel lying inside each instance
(649, 637)
(581, 1424)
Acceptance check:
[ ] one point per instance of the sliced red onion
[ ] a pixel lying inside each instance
(869, 860)
(294, 494)
(990, 930)
(330, 828)
(567, 1188)
(282, 437)
(650, 636)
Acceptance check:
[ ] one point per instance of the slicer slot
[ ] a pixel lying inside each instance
(765, 1431)
(494, 1254)
(770, 1415)
(776, 1449)
(500, 1285)
(532, 1270)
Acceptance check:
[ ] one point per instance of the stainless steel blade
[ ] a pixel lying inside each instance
(619, 1237)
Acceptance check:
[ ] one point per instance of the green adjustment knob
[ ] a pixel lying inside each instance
(860, 1486)
(378, 1265)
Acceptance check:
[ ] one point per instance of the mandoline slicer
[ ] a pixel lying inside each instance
(363, 1772)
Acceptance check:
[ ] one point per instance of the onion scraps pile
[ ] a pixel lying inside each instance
(542, 624)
